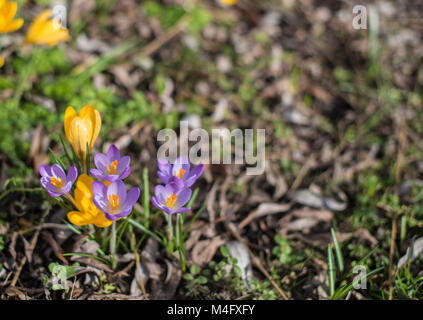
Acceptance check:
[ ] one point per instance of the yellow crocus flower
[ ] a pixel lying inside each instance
(88, 212)
(7, 13)
(45, 30)
(82, 130)
(1, 61)
(228, 2)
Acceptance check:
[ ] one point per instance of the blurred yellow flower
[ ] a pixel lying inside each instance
(1, 61)
(7, 13)
(82, 130)
(228, 2)
(44, 30)
(88, 212)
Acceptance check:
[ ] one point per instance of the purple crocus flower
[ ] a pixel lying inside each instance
(55, 180)
(180, 169)
(172, 197)
(111, 166)
(114, 200)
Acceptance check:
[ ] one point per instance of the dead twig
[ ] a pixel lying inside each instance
(32, 247)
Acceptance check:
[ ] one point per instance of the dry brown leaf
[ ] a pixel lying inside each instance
(204, 250)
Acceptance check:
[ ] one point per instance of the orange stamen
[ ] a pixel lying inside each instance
(114, 201)
(56, 182)
(113, 168)
(171, 200)
(181, 173)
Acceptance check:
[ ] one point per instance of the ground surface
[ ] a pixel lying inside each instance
(342, 113)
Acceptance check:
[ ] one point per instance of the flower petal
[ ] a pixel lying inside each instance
(72, 174)
(45, 171)
(131, 198)
(161, 193)
(117, 188)
(97, 174)
(58, 172)
(101, 162)
(113, 153)
(183, 197)
(70, 114)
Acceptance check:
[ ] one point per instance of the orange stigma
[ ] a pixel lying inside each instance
(181, 173)
(56, 182)
(171, 200)
(114, 201)
(113, 168)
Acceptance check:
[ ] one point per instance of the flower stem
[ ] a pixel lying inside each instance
(180, 242)
(170, 233)
(113, 245)
(71, 199)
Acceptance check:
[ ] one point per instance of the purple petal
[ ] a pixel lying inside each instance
(111, 217)
(52, 191)
(72, 174)
(125, 173)
(164, 165)
(161, 193)
(45, 171)
(131, 197)
(99, 188)
(194, 174)
(101, 162)
(183, 197)
(58, 172)
(45, 182)
(100, 203)
(156, 203)
(111, 177)
(118, 188)
(164, 176)
(123, 164)
(181, 163)
(113, 153)
(67, 187)
(182, 210)
(97, 174)
(174, 185)
(124, 213)
(167, 210)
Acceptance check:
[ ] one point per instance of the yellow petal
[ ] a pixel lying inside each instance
(13, 25)
(1, 61)
(79, 218)
(80, 134)
(70, 114)
(101, 221)
(228, 2)
(94, 116)
(45, 31)
(7, 12)
(10, 10)
(85, 184)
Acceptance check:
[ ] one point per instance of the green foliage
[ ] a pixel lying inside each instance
(283, 250)
(59, 275)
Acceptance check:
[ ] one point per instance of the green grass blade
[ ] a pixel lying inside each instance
(87, 255)
(144, 229)
(331, 271)
(338, 252)
(146, 196)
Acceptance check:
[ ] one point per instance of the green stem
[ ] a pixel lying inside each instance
(112, 245)
(144, 229)
(170, 239)
(180, 242)
(71, 199)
